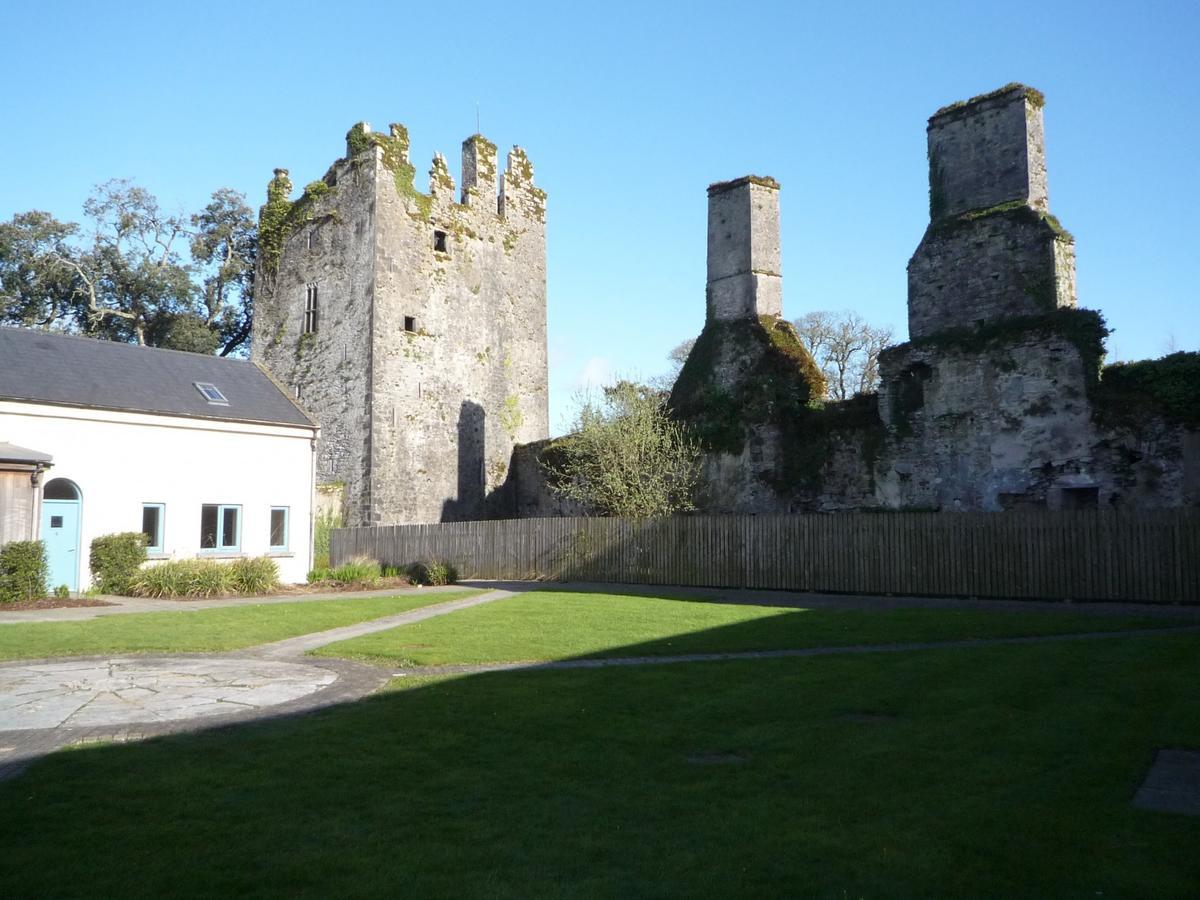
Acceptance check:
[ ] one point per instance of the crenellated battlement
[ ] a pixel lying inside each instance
(410, 318)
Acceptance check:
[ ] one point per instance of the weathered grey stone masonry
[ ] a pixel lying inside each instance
(992, 250)
(411, 324)
(996, 401)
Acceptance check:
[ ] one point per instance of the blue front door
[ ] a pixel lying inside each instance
(60, 531)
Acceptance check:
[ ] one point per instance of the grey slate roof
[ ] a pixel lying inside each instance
(11, 453)
(79, 371)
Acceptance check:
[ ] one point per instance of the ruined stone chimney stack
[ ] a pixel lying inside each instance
(744, 279)
(992, 250)
(987, 151)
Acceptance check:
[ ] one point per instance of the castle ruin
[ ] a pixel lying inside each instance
(412, 325)
(996, 402)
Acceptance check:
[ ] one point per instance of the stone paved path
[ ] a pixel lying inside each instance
(75, 693)
(50, 703)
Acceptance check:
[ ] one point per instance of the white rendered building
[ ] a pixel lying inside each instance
(208, 456)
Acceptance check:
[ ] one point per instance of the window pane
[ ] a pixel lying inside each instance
(152, 525)
(60, 489)
(279, 528)
(208, 527)
(229, 517)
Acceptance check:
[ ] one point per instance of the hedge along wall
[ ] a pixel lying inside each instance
(1149, 555)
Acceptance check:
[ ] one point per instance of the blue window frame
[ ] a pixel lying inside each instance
(154, 519)
(220, 527)
(279, 528)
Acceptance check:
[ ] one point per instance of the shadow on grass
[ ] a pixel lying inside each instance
(994, 771)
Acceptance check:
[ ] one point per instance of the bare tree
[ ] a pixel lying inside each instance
(846, 347)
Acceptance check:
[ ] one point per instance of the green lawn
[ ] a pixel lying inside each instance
(543, 625)
(222, 628)
(1003, 771)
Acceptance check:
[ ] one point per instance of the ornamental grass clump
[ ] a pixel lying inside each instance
(433, 573)
(358, 570)
(207, 578)
(257, 575)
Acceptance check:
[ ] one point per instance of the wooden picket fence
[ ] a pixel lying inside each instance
(1149, 555)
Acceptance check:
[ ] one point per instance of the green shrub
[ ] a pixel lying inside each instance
(435, 572)
(319, 574)
(115, 560)
(62, 592)
(22, 571)
(360, 570)
(325, 523)
(257, 575)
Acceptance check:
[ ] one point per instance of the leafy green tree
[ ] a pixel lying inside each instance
(133, 272)
(36, 288)
(224, 247)
(626, 456)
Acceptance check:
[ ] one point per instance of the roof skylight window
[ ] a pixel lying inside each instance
(211, 393)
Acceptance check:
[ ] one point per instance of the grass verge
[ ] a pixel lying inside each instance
(982, 772)
(199, 630)
(544, 625)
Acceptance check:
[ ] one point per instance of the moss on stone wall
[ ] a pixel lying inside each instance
(1035, 97)
(1085, 328)
(395, 146)
(279, 216)
(812, 440)
(1017, 210)
(779, 380)
(1168, 388)
(511, 417)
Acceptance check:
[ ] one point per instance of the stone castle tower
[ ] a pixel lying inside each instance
(412, 325)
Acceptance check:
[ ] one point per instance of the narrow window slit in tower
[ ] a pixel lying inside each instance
(310, 309)
(439, 242)
(410, 324)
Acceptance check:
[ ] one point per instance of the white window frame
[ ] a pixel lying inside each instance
(222, 548)
(287, 529)
(162, 526)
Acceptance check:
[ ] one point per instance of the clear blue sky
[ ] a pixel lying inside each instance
(628, 112)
